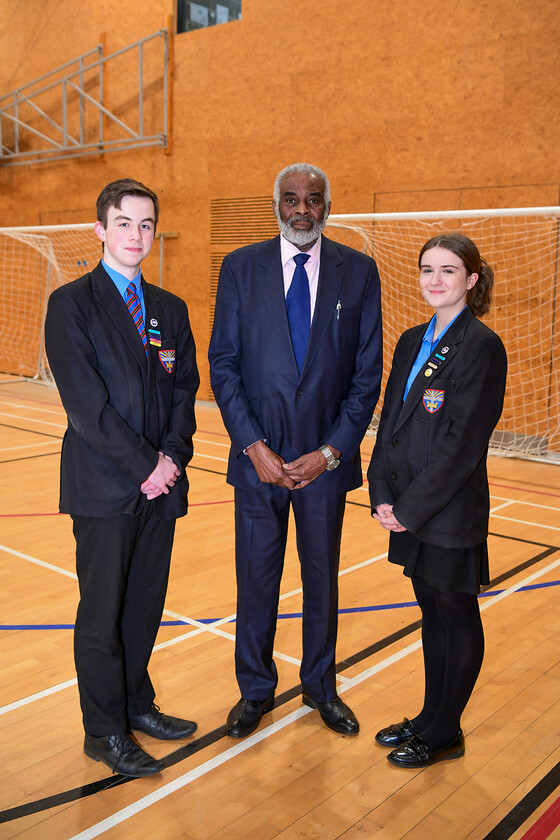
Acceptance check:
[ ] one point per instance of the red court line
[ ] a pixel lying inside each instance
(191, 504)
(525, 490)
(546, 824)
(201, 504)
(518, 489)
(6, 515)
(509, 487)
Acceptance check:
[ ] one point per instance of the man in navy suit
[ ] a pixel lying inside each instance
(123, 357)
(295, 360)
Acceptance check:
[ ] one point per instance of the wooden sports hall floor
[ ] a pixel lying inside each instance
(293, 778)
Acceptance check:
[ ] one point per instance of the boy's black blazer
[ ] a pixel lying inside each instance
(429, 459)
(122, 408)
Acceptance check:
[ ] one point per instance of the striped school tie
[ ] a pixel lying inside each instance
(133, 303)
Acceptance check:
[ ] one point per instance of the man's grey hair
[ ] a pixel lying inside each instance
(301, 167)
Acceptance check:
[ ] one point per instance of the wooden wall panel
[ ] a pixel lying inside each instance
(397, 102)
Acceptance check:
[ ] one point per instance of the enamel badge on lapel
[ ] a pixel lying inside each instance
(435, 362)
(433, 400)
(167, 358)
(154, 336)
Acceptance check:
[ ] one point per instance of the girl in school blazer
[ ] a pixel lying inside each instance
(429, 487)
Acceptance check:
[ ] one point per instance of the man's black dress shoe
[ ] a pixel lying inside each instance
(396, 734)
(121, 755)
(158, 725)
(416, 753)
(335, 714)
(246, 716)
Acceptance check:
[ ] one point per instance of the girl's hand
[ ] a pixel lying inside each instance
(385, 517)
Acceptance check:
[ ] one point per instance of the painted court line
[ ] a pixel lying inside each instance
(45, 565)
(200, 627)
(528, 504)
(32, 420)
(58, 412)
(525, 522)
(500, 507)
(506, 592)
(203, 627)
(211, 442)
(33, 698)
(211, 457)
(31, 445)
(504, 498)
(193, 775)
(184, 780)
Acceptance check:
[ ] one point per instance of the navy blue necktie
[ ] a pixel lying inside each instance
(298, 304)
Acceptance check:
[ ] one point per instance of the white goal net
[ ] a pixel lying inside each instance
(522, 245)
(33, 262)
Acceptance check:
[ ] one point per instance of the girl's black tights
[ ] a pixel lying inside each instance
(453, 644)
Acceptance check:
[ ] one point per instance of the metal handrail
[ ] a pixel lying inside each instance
(64, 144)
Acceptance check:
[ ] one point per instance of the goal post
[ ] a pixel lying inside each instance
(33, 262)
(522, 246)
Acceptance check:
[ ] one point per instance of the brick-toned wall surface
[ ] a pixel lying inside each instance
(406, 105)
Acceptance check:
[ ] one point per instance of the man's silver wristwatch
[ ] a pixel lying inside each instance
(332, 462)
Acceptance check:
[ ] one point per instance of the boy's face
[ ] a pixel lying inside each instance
(129, 235)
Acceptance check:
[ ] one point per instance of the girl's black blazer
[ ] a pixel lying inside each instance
(429, 459)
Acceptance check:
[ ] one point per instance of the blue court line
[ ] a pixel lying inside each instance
(344, 611)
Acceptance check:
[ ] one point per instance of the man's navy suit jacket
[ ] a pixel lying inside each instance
(122, 408)
(254, 374)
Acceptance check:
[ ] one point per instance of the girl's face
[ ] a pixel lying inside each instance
(444, 281)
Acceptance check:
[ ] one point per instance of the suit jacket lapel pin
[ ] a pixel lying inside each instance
(167, 358)
(435, 362)
(153, 322)
(154, 336)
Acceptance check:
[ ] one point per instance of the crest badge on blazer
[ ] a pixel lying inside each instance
(167, 358)
(433, 400)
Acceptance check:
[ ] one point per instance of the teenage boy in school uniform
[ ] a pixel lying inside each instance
(123, 357)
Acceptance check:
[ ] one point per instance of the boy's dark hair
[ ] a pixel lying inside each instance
(113, 194)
